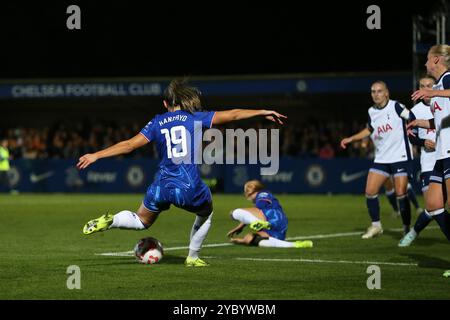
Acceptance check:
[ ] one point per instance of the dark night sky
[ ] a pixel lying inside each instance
(163, 38)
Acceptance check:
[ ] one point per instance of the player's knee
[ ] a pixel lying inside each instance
(371, 190)
(433, 206)
(147, 219)
(401, 192)
(401, 196)
(248, 239)
(234, 214)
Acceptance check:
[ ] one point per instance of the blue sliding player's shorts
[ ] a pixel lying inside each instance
(278, 222)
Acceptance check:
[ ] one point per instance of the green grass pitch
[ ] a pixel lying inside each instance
(41, 236)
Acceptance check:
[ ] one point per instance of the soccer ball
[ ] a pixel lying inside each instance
(148, 251)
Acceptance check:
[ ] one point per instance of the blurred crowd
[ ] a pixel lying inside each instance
(307, 139)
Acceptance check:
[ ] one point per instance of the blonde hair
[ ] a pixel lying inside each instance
(442, 50)
(381, 83)
(252, 186)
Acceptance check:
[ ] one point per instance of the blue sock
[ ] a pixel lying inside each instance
(412, 196)
(405, 211)
(422, 221)
(392, 199)
(442, 220)
(373, 205)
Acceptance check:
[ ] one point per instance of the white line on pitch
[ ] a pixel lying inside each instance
(212, 245)
(330, 261)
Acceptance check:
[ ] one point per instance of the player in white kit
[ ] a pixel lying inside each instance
(393, 154)
(438, 65)
(425, 139)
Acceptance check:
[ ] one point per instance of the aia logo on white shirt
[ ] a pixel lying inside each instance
(436, 106)
(384, 129)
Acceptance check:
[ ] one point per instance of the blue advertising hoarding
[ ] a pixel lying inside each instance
(135, 175)
(215, 87)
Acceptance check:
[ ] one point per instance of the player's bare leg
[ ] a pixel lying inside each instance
(373, 185)
(146, 216)
(246, 240)
(435, 197)
(435, 204)
(256, 212)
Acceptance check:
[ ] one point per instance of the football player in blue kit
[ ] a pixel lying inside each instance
(266, 219)
(177, 180)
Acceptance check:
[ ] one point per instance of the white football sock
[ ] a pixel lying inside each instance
(376, 224)
(275, 243)
(243, 216)
(127, 220)
(197, 224)
(199, 232)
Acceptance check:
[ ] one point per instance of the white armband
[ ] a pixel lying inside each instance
(405, 114)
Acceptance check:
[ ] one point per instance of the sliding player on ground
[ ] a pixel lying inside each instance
(266, 219)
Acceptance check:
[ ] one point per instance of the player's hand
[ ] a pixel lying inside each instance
(233, 232)
(423, 94)
(410, 132)
(345, 141)
(235, 240)
(86, 160)
(274, 116)
(411, 125)
(430, 145)
(364, 144)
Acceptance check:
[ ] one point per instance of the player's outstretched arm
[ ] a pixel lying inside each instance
(421, 123)
(428, 93)
(222, 117)
(364, 133)
(122, 147)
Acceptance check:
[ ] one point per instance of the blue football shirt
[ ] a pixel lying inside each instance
(270, 206)
(178, 139)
